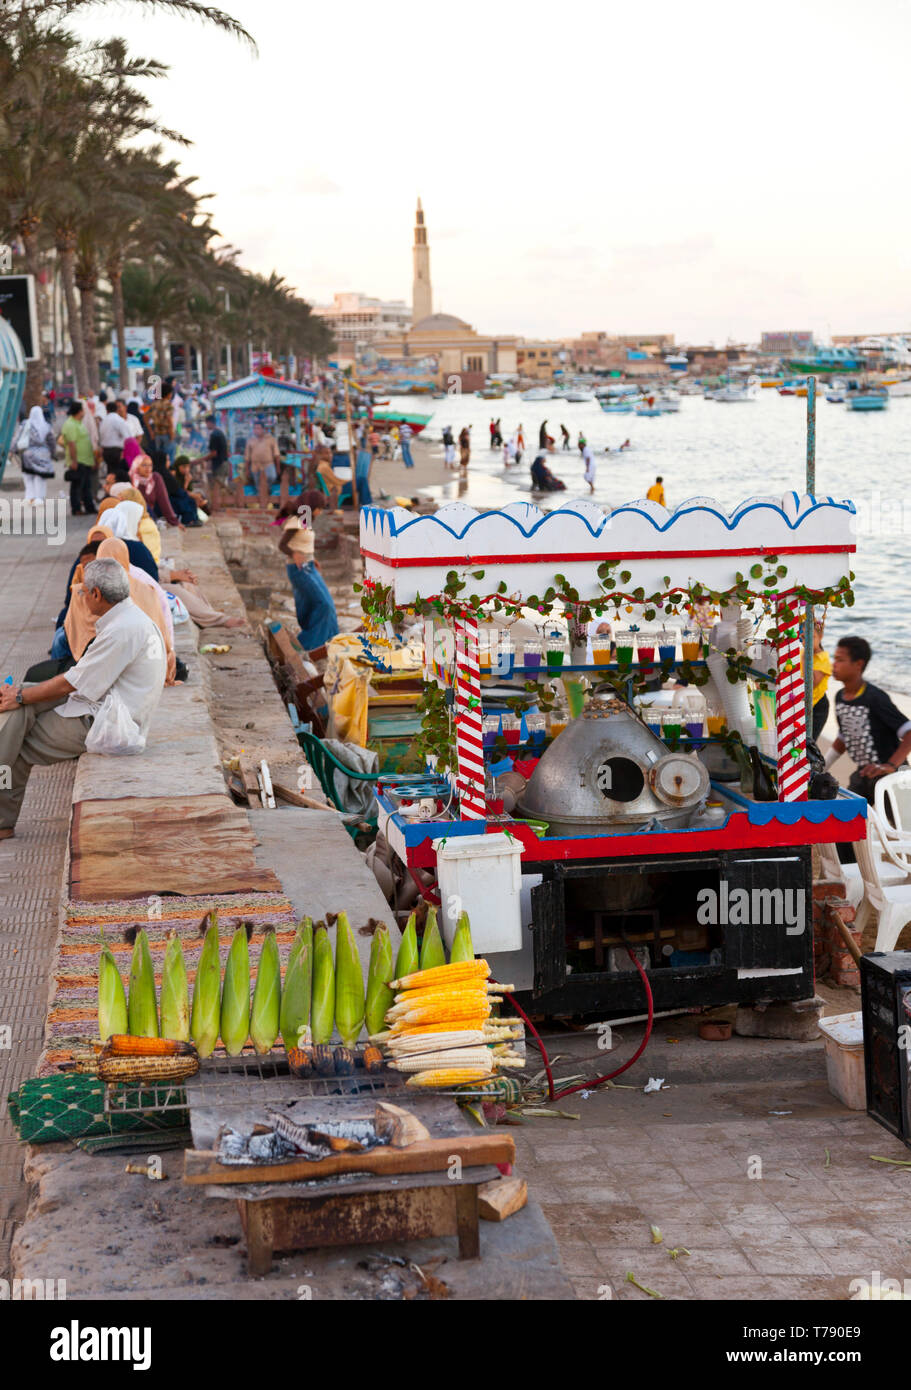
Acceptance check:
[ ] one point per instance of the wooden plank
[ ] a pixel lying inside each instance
(502, 1197)
(137, 846)
(257, 1221)
(435, 1155)
(466, 1206)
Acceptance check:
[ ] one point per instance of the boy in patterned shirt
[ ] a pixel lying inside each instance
(871, 729)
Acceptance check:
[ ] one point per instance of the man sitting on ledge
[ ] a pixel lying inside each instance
(48, 722)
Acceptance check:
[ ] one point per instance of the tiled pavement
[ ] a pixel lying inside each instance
(32, 583)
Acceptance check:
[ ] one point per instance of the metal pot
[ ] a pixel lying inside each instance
(607, 773)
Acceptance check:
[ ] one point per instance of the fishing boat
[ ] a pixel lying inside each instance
(539, 393)
(768, 382)
(826, 360)
(789, 388)
(492, 393)
(900, 388)
(578, 394)
(868, 398)
(616, 405)
(734, 392)
(398, 417)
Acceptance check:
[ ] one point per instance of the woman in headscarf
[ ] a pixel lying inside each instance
(138, 426)
(140, 555)
(37, 458)
(153, 488)
(149, 595)
(79, 624)
(132, 524)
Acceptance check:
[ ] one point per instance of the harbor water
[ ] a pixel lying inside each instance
(728, 452)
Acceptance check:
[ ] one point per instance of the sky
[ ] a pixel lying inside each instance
(705, 169)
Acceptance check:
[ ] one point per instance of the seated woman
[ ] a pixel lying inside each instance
(185, 499)
(542, 480)
(312, 600)
(154, 490)
(138, 525)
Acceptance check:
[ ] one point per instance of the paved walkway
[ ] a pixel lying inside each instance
(32, 582)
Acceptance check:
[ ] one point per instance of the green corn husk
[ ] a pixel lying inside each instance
(407, 962)
(303, 936)
(175, 999)
(205, 1016)
(265, 1013)
(462, 949)
(142, 1013)
(112, 1001)
(432, 951)
(379, 973)
(349, 983)
(235, 997)
(294, 1018)
(322, 1006)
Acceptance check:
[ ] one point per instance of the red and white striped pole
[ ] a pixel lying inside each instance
(469, 740)
(791, 710)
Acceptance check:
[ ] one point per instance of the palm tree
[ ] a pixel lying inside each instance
(55, 10)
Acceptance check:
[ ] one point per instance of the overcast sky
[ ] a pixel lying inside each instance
(708, 169)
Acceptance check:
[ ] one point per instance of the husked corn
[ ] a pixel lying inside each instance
(403, 1028)
(477, 1058)
(447, 1076)
(443, 975)
(441, 998)
(441, 1013)
(421, 1042)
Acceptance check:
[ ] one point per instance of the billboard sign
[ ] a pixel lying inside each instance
(140, 344)
(17, 306)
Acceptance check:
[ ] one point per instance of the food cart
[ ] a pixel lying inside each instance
(279, 403)
(624, 843)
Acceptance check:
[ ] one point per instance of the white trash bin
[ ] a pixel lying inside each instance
(481, 875)
(844, 1043)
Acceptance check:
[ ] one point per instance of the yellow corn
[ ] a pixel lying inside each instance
(403, 1028)
(422, 996)
(443, 975)
(443, 1013)
(464, 1002)
(474, 1057)
(427, 1042)
(447, 1076)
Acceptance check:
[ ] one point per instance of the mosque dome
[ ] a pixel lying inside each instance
(440, 323)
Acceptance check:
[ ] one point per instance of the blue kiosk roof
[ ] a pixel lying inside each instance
(259, 392)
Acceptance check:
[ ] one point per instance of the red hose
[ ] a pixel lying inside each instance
(609, 1076)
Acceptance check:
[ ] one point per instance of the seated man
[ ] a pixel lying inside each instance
(48, 722)
(871, 729)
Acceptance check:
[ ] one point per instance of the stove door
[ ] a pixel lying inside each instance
(549, 935)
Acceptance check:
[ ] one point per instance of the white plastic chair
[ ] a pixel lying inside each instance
(892, 801)
(890, 901)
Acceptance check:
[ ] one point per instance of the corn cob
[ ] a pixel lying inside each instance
(437, 1013)
(206, 1012)
(504, 1088)
(300, 1060)
(264, 1014)
(477, 1058)
(430, 996)
(322, 1007)
(158, 1069)
(302, 937)
(323, 1060)
(407, 960)
(441, 975)
(447, 1002)
(402, 1028)
(462, 949)
(295, 1005)
(141, 1010)
(175, 1000)
(112, 1002)
(379, 972)
(344, 1061)
(432, 952)
(446, 1076)
(123, 1045)
(235, 998)
(349, 983)
(426, 1042)
(373, 1060)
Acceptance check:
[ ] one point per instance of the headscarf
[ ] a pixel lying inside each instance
(132, 450)
(148, 596)
(38, 422)
(119, 490)
(123, 519)
(103, 533)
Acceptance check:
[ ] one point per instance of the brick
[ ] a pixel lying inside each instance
(828, 888)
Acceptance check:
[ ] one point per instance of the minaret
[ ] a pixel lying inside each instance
(421, 295)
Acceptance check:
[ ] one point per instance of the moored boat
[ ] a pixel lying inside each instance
(868, 398)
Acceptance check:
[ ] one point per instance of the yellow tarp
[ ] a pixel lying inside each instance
(347, 685)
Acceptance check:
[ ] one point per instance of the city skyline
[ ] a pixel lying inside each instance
(708, 174)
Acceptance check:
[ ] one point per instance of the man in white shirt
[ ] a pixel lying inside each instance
(48, 722)
(588, 458)
(113, 433)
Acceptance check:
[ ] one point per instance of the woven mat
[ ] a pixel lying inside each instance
(152, 845)
(73, 1013)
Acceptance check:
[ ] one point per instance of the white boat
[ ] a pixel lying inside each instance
(539, 393)
(668, 402)
(580, 394)
(735, 392)
(900, 388)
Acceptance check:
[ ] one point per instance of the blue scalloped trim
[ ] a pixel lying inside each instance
(730, 521)
(844, 808)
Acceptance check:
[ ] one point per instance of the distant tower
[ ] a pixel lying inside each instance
(421, 294)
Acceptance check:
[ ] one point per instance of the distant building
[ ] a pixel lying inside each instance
(460, 353)
(786, 344)
(538, 360)
(422, 293)
(660, 341)
(358, 322)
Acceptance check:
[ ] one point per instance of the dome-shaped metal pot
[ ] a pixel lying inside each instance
(608, 773)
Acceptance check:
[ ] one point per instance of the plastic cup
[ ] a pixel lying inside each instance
(646, 650)
(715, 724)
(694, 728)
(490, 727)
(531, 655)
(653, 720)
(601, 648)
(575, 694)
(557, 724)
(537, 728)
(626, 648)
(690, 645)
(505, 659)
(667, 645)
(555, 657)
(511, 728)
(671, 726)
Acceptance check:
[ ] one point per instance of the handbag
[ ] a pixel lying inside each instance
(71, 474)
(22, 437)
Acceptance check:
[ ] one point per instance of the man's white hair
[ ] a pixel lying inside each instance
(109, 578)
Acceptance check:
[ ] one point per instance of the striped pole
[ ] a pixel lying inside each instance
(469, 742)
(791, 714)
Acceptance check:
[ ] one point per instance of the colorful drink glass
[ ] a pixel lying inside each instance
(511, 728)
(537, 728)
(690, 645)
(667, 644)
(715, 724)
(646, 650)
(505, 659)
(555, 657)
(694, 728)
(626, 648)
(531, 655)
(671, 726)
(490, 727)
(601, 651)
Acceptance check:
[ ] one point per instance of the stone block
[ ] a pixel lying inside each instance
(796, 1020)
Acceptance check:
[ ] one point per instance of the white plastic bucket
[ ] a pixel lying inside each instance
(844, 1043)
(481, 875)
